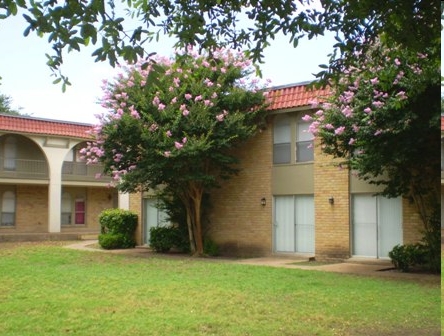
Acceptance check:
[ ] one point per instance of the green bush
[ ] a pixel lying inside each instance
(210, 248)
(117, 228)
(162, 238)
(405, 256)
(110, 241)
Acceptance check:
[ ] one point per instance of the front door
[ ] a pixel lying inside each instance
(376, 225)
(294, 224)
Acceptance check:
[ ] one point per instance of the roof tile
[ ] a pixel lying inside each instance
(291, 96)
(296, 95)
(30, 125)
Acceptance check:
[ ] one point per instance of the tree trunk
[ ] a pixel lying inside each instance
(193, 203)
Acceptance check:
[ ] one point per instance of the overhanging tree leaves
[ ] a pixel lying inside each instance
(175, 137)
(247, 24)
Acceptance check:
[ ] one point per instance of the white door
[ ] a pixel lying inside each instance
(376, 225)
(152, 217)
(294, 224)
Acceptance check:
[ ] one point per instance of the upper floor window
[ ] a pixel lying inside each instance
(287, 127)
(7, 208)
(282, 140)
(304, 142)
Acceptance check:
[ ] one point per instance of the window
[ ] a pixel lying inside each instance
(304, 142)
(73, 206)
(282, 140)
(10, 158)
(8, 208)
(286, 128)
(66, 208)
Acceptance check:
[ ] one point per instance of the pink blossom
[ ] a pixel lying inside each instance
(167, 153)
(347, 112)
(374, 81)
(188, 96)
(401, 95)
(184, 140)
(176, 81)
(198, 98)
(367, 110)
(156, 101)
(178, 145)
(329, 126)
(214, 95)
(340, 130)
(397, 62)
(174, 100)
(220, 117)
(208, 102)
(379, 131)
(161, 107)
(377, 104)
(185, 112)
(307, 118)
(351, 141)
(223, 70)
(153, 127)
(168, 133)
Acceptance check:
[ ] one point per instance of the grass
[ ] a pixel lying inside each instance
(50, 290)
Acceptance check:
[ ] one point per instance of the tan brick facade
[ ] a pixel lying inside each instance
(332, 221)
(238, 222)
(32, 210)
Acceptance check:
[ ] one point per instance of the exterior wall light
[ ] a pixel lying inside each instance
(263, 201)
(331, 200)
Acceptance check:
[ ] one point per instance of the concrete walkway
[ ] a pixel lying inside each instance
(354, 266)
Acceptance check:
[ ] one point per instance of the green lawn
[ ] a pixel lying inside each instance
(50, 290)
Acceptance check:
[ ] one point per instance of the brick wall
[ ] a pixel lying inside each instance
(332, 222)
(412, 223)
(97, 199)
(31, 209)
(238, 223)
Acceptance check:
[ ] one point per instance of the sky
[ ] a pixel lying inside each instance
(27, 79)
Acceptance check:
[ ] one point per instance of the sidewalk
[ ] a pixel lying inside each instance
(375, 268)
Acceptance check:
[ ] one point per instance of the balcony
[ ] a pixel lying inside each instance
(80, 171)
(23, 169)
(38, 170)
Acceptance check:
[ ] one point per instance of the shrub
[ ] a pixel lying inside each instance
(405, 256)
(117, 227)
(210, 248)
(162, 238)
(110, 241)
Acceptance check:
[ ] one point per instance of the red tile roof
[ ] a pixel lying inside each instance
(295, 95)
(284, 97)
(20, 124)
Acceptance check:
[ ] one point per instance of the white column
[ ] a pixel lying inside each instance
(55, 161)
(55, 197)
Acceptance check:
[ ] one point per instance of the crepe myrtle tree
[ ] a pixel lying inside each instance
(383, 121)
(178, 133)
